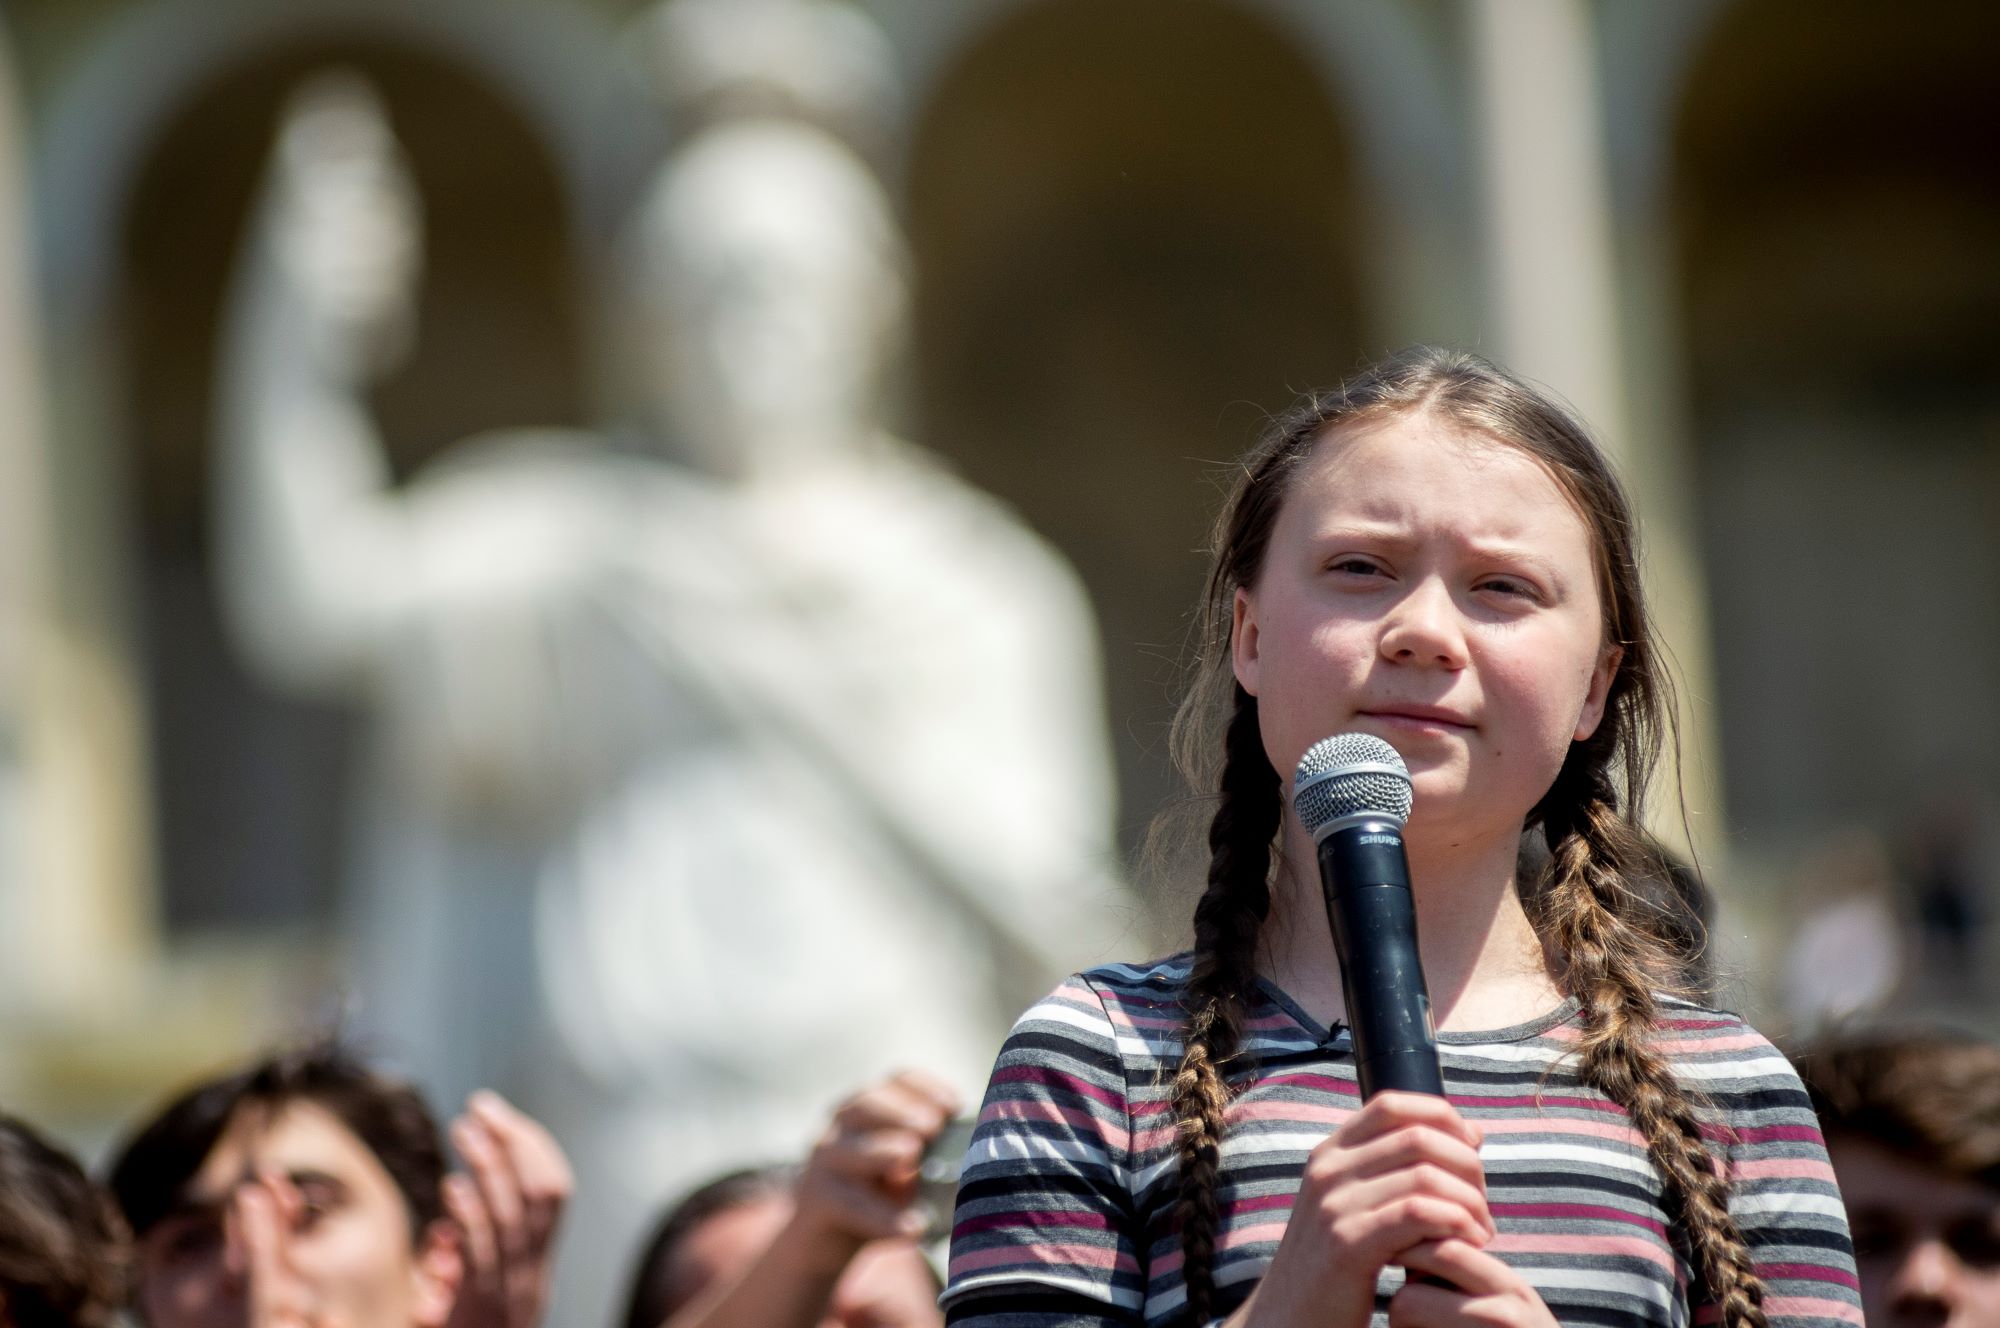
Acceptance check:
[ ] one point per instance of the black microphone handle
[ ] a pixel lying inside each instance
(1365, 877)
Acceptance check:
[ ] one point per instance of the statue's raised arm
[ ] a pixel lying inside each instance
(311, 540)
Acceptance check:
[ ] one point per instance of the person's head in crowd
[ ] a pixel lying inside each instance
(308, 1171)
(674, 1267)
(62, 1245)
(832, 1242)
(1912, 1125)
(719, 1230)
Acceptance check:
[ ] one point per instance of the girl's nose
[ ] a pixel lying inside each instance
(1424, 627)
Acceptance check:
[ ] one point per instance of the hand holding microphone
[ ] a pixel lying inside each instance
(1400, 1182)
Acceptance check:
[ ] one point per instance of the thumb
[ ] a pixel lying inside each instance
(276, 1297)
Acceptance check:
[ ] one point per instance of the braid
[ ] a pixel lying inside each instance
(1226, 922)
(1610, 964)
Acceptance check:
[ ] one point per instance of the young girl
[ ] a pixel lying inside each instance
(1438, 555)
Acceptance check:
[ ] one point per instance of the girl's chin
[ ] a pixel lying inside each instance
(1441, 800)
(1440, 782)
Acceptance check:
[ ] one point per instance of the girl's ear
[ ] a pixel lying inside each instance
(1606, 669)
(439, 1271)
(1243, 640)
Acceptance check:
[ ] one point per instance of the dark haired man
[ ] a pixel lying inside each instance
(310, 1190)
(1912, 1125)
(62, 1247)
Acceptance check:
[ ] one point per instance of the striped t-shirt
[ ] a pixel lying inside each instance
(1065, 1208)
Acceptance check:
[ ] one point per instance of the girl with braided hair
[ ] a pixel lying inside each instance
(1437, 554)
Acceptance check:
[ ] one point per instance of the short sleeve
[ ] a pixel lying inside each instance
(1044, 1229)
(1782, 1191)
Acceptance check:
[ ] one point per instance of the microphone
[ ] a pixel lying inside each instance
(1352, 791)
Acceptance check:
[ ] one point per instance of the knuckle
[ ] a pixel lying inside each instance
(1428, 1214)
(1438, 1146)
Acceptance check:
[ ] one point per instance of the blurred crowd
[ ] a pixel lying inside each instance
(311, 1190)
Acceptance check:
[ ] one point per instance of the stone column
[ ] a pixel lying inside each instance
(74, 914)
(1552, 253)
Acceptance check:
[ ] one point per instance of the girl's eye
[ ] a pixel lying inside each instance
(1508, 585)
(1355, 565)
(316, 1202)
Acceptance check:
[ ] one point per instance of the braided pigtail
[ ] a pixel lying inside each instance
(1589, 908)
(1226, 921)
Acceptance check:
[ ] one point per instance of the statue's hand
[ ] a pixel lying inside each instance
(347, 226)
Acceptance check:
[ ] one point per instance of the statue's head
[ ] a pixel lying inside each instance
(344, 214)
(769, 270)
(775, 290)
(821, 61)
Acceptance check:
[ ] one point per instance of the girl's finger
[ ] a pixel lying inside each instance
(876, 1155)
(285, 1196)
(1425, 1182)
(1417, 1146)
(276, 1300)
(929, 1087)
(891, 1106)
(543, 1171)
(482, 1254)
(1386, 1112)
(1471, 1270)
(1425, 1305)
(865, 1212)
(1396, 1224)
(499, 1188)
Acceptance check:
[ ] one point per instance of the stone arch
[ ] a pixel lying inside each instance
(1390, 74)
(248, 785)
(549, 62)
(1835, 211)
(1135, 230)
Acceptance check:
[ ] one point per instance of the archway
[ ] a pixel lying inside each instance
(1136, 229)
(1836, 204)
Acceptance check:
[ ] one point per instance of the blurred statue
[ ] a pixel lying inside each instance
(734, 781)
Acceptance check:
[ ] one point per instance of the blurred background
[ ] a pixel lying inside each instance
(1756, 242)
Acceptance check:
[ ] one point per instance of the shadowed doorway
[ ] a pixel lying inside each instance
(1136, 234)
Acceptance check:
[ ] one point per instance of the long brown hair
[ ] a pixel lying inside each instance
(1597, 903)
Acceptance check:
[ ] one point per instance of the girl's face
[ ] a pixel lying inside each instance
(346, 1256)
(1435, 587)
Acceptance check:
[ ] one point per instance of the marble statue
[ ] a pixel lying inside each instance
(707, 779)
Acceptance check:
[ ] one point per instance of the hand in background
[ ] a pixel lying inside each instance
(839, 1249)
(508, 1203)
(861, 1181)
(264, 1212)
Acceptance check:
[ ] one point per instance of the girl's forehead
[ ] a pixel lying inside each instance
(288, 1138)
(1421, 464)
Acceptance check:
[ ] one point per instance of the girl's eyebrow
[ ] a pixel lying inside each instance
(1379, 532)
(1503, 551)
(1376, 532)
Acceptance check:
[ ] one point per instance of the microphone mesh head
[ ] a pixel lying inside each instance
(1349, 774)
